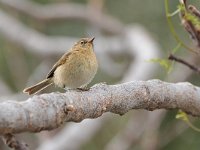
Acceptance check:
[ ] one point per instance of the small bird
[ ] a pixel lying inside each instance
(74, 70)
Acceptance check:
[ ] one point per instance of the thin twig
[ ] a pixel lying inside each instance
(171, 27)
(194, 10)
(12, 142)
(188, 24)
(191, 66)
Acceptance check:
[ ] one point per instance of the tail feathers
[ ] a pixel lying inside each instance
(38, 87)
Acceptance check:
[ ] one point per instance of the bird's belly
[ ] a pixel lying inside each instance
(74, 76)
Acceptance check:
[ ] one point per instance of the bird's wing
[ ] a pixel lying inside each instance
(61, 61)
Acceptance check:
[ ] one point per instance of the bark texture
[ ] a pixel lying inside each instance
(49, 111)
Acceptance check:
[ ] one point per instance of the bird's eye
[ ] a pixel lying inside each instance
(82, 42)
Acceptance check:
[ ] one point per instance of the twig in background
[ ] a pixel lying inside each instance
(73, 136)
(65, 11)
(150, 138)
(12, 142)
(187, 18)
(194, 10)
(4, 89)
(130, 134)
(174, 58)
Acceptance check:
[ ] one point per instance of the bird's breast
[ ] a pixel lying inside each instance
(77, 71)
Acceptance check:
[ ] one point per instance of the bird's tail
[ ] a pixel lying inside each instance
(38, 87)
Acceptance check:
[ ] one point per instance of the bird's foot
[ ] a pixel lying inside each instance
(83, 89)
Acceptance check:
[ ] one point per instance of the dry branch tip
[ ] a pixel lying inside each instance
(12, 142)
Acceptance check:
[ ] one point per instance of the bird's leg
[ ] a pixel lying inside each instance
(67, 89)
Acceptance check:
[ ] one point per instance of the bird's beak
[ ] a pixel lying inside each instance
(91, 40)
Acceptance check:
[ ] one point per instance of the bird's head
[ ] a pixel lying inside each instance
(84, 44)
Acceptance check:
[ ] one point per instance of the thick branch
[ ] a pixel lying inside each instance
(48, 111)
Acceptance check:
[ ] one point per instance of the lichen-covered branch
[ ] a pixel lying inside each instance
(49, 111)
